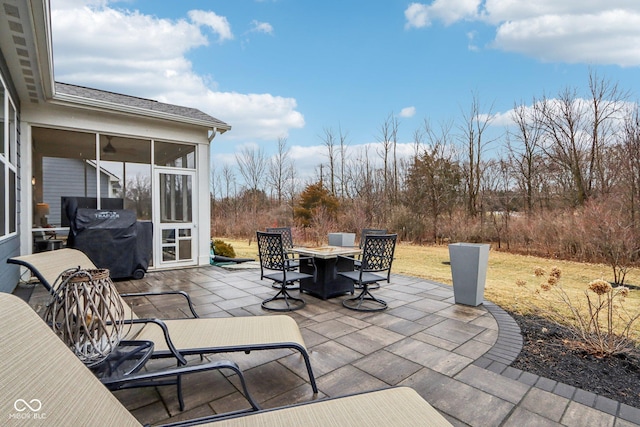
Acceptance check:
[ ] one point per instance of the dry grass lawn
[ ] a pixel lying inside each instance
(432, 262)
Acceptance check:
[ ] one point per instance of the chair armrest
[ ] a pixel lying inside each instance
(165, 331)
(149, 294)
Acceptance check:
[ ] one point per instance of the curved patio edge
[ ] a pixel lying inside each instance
(507, 348)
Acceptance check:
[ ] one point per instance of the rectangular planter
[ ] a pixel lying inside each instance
(342, 239)
(469, 271)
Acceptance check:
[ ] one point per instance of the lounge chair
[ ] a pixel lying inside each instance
(43, 383)
(181, 337)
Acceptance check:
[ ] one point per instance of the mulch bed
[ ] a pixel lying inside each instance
(547, 352)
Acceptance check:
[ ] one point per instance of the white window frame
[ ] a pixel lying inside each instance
(9, 160)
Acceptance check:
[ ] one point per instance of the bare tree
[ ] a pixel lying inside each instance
(606, 115)
(577, 132)
(252, 164)
(278, 169)
(138, 196)
(525, 155)
(384, 138)
(629, 158)
(329, 141)
(473, 128)
(342, 150)
(229, 181)
(433, 178)
(292, 187)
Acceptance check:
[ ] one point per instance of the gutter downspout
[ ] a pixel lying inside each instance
(213, 134)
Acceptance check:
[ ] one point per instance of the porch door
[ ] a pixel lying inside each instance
(175, 235)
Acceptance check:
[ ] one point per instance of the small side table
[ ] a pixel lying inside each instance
(128, 358)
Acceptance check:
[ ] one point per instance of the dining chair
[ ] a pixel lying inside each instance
(377, 257)
(366, 231)
(287, 242)
(274, 257)
(358, 262)
(287, 235)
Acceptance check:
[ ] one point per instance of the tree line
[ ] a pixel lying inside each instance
(563, 180)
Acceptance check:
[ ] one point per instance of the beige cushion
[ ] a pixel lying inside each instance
(401, 407)
(51, 264)
(188, 334)
(36, 367)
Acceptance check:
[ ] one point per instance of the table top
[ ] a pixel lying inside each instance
(327, 251)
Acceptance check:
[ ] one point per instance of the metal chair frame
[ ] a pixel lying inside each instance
(287, 242)
(377, 256)
(357, 263)
(273, 256)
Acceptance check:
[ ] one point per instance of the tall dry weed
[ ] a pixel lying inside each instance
(597, 317)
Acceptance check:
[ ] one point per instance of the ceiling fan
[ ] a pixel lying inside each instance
(109, 148)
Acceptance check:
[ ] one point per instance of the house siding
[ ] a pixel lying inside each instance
(10, 247)
(61, 179)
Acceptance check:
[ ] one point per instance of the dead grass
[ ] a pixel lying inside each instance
(432, 262)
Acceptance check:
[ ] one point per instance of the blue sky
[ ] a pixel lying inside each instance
(294, 68)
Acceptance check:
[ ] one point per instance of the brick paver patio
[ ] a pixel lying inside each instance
(457, 357)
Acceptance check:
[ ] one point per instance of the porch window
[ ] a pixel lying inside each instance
(115, 174)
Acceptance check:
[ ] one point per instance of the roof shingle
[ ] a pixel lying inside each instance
(142, 103)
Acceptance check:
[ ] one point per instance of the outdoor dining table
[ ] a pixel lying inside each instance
(324, 263)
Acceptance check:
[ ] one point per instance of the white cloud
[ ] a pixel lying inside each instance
(572, 31)
(583, 106)
(137, 54)
(218, 24)
(471, 36)
(408, 112)
(417, 16)
(261, 27)
(448, 11)
(610, 37)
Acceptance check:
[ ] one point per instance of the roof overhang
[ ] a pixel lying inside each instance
(99, 105)
(25, 41)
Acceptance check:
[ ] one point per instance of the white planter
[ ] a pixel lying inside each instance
(469, 271)
(342, 239)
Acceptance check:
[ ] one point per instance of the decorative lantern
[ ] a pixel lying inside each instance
(87, 314)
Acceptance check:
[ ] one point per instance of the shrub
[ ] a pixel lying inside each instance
(223, 249)
(599, 322)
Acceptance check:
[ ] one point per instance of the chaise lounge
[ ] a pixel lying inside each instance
(66, 393)
(181, 337)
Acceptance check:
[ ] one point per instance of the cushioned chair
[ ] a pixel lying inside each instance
(43, 383)
(274, 258)
(377, 257)
(180, 337)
